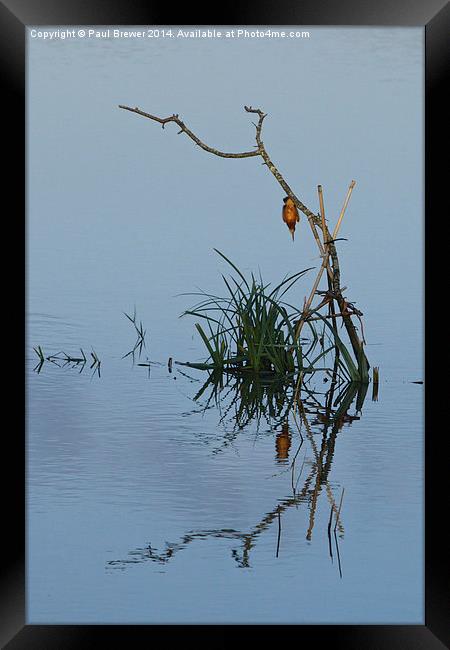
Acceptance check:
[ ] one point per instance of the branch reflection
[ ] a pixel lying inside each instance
(318, 417)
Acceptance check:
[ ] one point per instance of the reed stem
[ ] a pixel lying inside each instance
(326, 252)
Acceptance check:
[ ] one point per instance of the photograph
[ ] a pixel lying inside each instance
(225, 325)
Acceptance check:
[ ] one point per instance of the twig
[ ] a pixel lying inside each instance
(184, 129)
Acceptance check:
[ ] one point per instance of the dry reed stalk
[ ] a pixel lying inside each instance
(344, 207)
(322, 248)
(331, 309)
(326, 252)
(334, 285)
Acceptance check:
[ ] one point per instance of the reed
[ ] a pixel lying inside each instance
(63, 360)
(252, 329)
(140, 333)
(40, 353)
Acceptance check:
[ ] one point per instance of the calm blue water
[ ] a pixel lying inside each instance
(143, 505)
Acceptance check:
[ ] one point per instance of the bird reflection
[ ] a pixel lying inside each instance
(283, 444)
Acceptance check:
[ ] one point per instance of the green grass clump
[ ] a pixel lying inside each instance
(251, 329)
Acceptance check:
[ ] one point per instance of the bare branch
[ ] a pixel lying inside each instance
(314, 220)
(184, 129)
(259, 150)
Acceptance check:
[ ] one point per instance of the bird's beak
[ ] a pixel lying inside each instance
(292, 233)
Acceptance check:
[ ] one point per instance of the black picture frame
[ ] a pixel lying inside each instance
(433, 15)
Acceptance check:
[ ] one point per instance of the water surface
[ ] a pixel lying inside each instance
(143, 505)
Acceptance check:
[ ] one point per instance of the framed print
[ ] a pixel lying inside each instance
(229, 419)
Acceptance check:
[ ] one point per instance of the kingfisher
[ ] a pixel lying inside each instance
(290, 214)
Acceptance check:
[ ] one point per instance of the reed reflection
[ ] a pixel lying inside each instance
(63, 360)
(306, 424)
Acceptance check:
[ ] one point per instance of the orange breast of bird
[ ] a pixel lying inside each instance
(290, 215)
